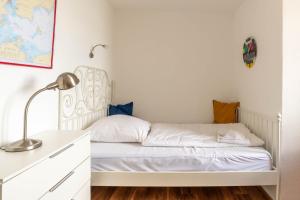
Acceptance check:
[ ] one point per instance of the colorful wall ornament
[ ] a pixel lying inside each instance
(249, 52)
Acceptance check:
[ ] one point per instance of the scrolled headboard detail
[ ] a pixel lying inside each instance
(87, 102)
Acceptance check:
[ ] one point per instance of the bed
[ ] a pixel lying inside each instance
(131, 164)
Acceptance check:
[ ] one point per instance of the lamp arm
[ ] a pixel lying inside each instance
(91, 55)
(94, 47)
(26, 110)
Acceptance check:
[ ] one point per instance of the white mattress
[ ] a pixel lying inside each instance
(134, 157)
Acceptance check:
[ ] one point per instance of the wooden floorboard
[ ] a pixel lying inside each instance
(156, 193)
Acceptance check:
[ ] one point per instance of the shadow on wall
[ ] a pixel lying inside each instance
(26, 87)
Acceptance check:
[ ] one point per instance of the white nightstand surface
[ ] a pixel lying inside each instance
(12, 164)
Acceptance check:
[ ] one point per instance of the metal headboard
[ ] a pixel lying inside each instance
(87, 102)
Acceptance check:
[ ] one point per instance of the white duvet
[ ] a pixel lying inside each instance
(201, 135)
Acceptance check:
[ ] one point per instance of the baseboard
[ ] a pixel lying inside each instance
(269, 191)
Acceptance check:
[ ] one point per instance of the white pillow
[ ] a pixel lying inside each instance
(119, 128)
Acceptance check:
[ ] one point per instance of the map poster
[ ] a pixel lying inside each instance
(27, 29)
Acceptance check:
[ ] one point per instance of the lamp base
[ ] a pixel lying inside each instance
(22, 145)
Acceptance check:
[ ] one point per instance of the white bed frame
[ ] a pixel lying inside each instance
(88, 102)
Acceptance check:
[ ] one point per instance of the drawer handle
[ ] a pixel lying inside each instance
(61, 181)
(60, 151)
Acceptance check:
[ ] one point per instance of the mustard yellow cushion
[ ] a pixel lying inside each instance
(225, 113)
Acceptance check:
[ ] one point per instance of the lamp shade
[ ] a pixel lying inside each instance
(66, 81)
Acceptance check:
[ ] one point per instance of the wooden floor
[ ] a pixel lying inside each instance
(219, 193)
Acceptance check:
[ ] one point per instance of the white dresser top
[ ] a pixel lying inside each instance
(12, 164)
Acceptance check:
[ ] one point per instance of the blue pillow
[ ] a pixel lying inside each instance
(125, 109)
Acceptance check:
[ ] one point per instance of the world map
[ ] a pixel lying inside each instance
(26, 32)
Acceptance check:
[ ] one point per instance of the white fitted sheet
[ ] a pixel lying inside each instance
(134, 157)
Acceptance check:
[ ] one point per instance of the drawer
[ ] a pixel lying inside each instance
(36, 181)
(67, 187)
(84, 193)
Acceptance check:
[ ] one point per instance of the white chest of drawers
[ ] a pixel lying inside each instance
(59, 170)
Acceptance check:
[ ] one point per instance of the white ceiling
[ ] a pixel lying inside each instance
(218, 5)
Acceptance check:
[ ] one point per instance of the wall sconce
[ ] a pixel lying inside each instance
(91, 55)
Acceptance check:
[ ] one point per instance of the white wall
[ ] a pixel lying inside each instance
(260, 88)
(80, 24)
(291, 101)
(173, 63)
